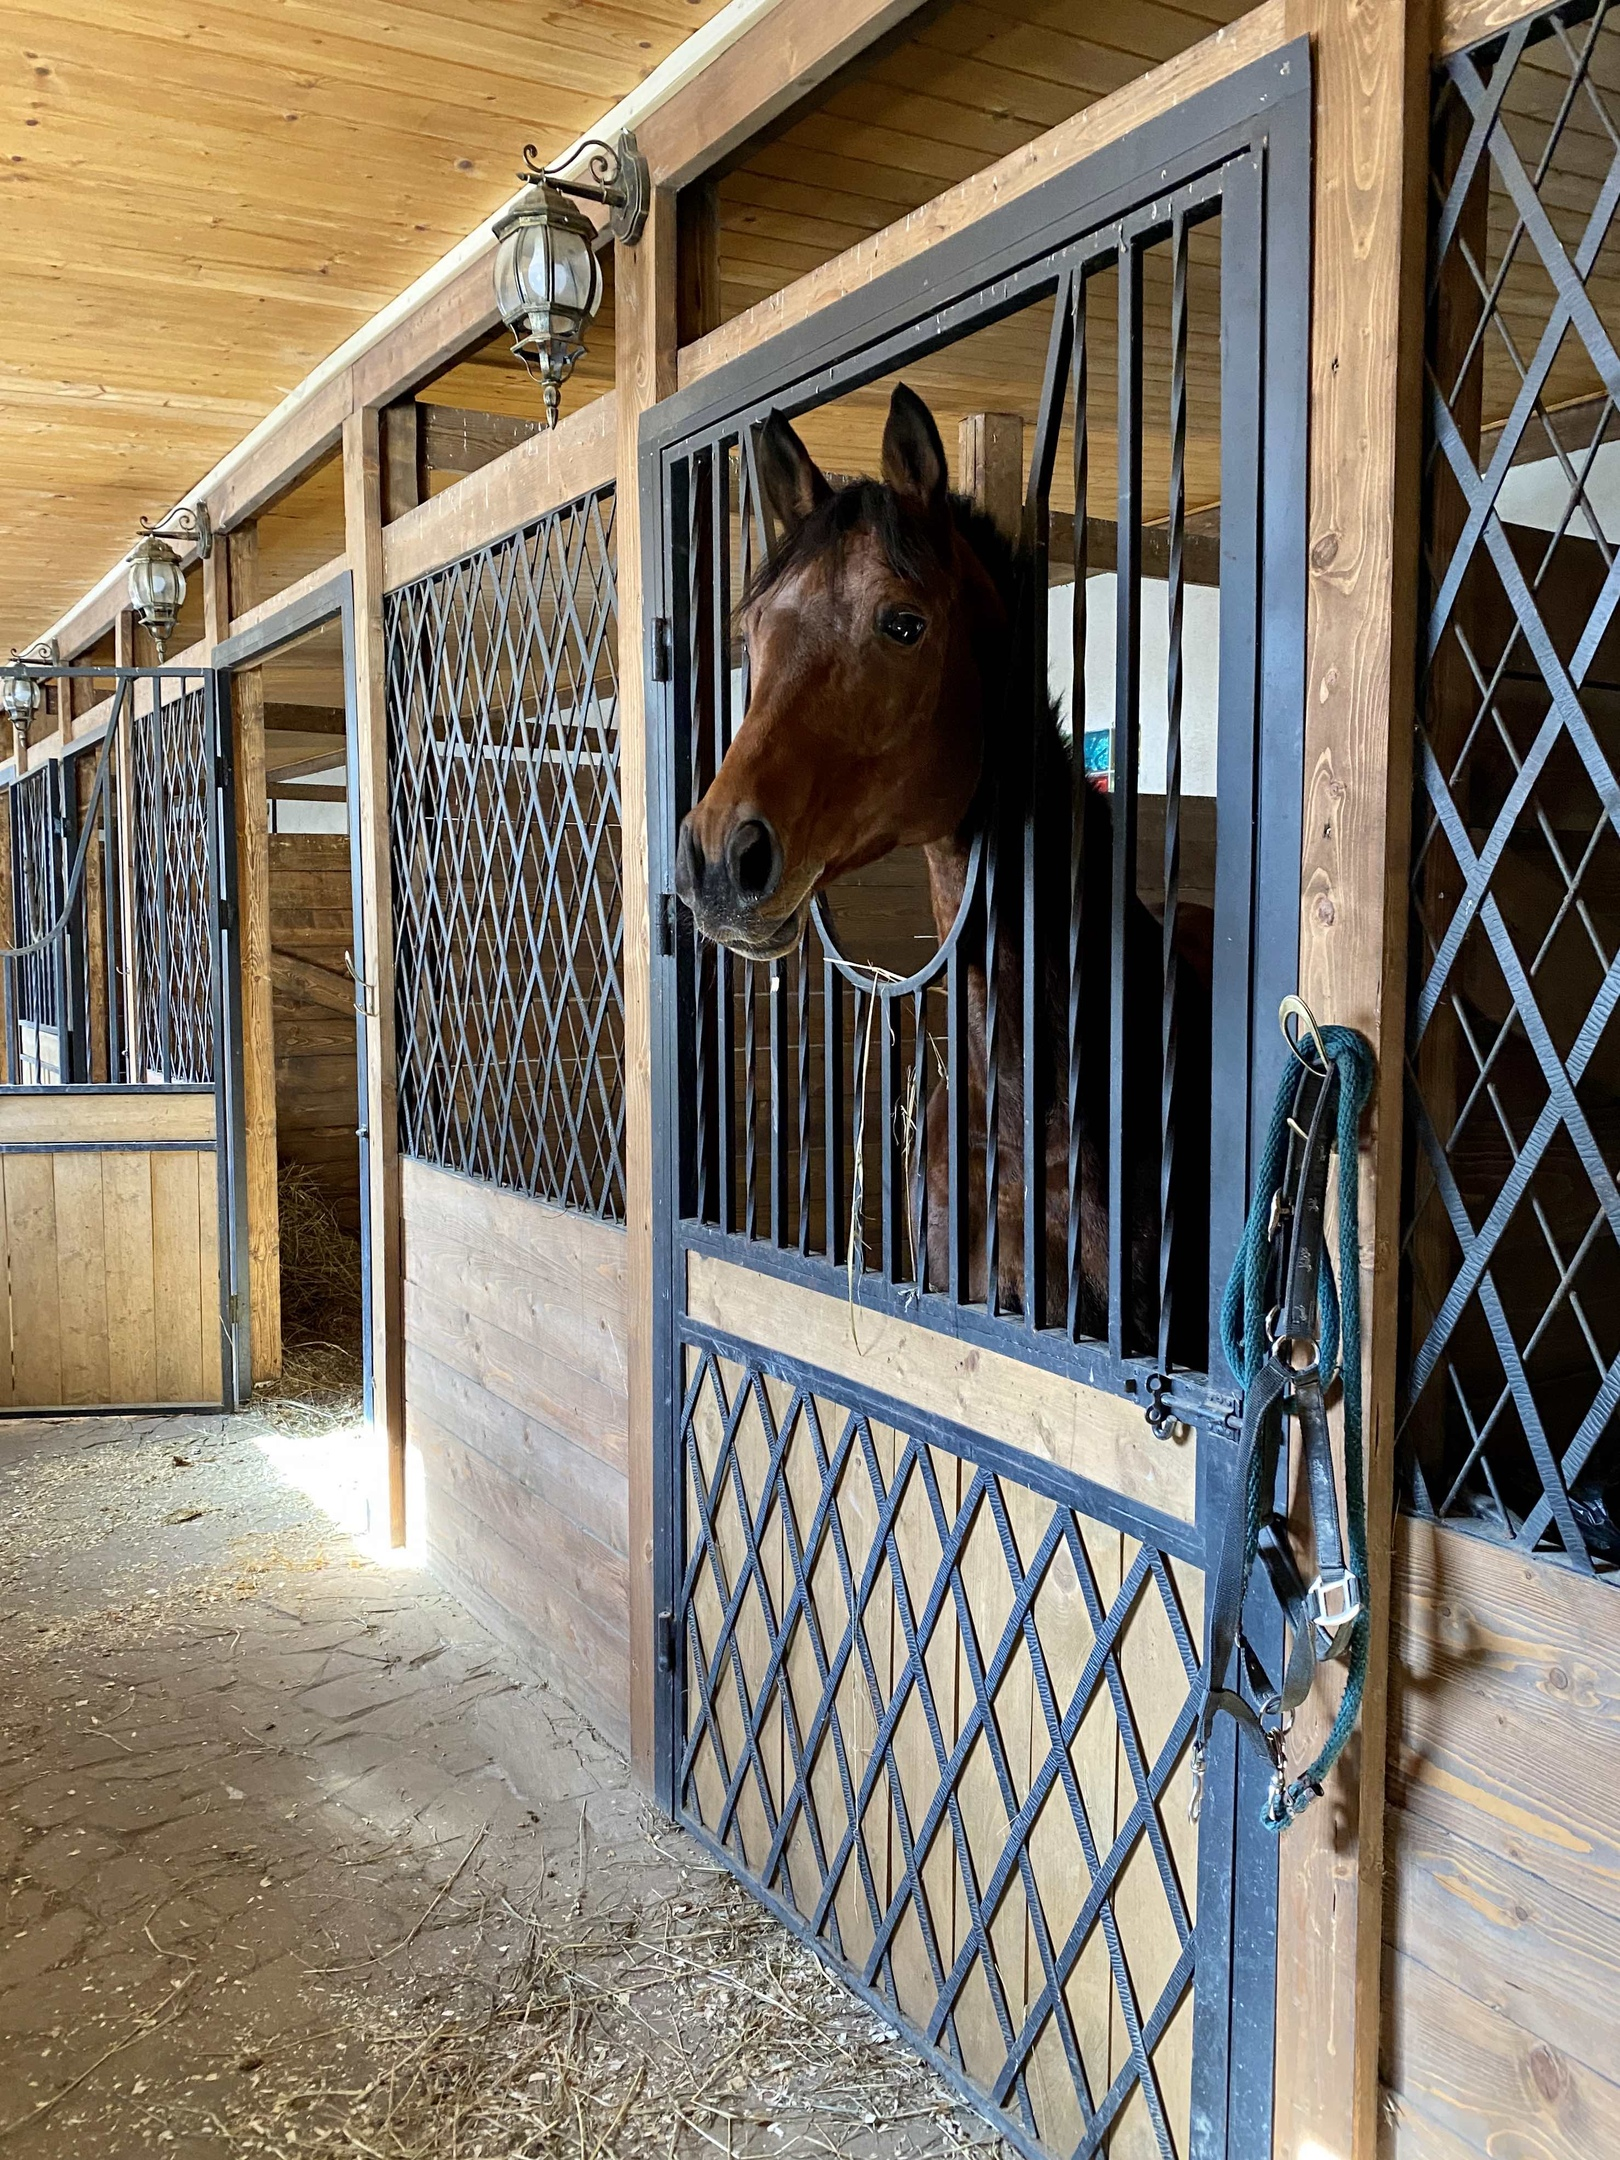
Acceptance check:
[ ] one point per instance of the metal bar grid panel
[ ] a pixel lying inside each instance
(942, 1720)
(34, 982)
(1512, 1231)
(170, 948)
(503, 729)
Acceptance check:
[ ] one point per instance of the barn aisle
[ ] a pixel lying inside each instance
(293, 1857)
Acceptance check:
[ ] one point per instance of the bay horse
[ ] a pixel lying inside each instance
(882, 640)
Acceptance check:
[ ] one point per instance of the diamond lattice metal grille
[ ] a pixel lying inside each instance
(943, 1721)
(171, 945)
(503, 729)
(1513, 1223)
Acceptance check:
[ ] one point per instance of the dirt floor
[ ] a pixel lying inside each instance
(295, 1859)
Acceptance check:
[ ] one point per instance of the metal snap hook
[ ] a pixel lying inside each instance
(1295, 1009)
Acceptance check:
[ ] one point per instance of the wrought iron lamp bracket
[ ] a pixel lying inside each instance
(617, 177)
(188, 523)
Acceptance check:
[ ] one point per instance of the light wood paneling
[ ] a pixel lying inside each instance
(1080, 1429)
(515, 1359)
(109, 1274)
(123, 1114)
(1502, 1906)
(317, 1082)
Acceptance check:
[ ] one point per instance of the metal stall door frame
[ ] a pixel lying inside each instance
(157, 799)
(332, 601)
(1247, 142)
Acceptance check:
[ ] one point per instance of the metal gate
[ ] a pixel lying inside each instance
(930, 1582)
(121, 1198)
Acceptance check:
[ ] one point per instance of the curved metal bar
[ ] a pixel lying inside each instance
(860, 978)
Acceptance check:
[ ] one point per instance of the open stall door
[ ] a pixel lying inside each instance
(120, 1208)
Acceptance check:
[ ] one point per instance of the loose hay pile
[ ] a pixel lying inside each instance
(689, 2026)
(322, 1370)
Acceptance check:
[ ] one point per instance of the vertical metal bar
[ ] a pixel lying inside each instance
(959, 1038)
(222, 920)
(1123, 1120)
(1169, 1016)
(917, 1166)
(1036, 1061)
(1078, 785)
(720, 673)
(781, 1083)
(801, 965)
(750, 975)
(992, 1063)
(832, 1007)
(111, 886)
(859, 1076)
(886, 1020)
(160, 851)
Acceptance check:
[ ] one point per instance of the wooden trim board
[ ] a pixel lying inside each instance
(1077, 1429)
(74, 1118)
(511, 491)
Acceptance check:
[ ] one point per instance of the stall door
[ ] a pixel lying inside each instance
(119, 1188)
(931, 1577)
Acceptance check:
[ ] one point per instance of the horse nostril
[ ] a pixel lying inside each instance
(754, 859)
(688, 862)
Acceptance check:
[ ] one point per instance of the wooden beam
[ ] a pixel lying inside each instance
(789, 51)
(1461, 23)
(645, 290)
(402, 458)
(697, 254)
(1372, 111)
(990, 468)
(456, 440)
(231, 575)
(549, 468)
(1251, 37)
(362, 508)
(289, 596)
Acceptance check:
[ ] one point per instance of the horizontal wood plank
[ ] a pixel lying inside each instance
(1080, 1429)
(530, 1232)
(540, 475)
(533, 1454)
(70, 1117)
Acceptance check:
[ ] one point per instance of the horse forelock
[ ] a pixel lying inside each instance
(861, 506)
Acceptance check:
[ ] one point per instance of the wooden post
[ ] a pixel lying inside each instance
(362, 517)
(697, 260)
(990, 467)
(400, 440)
(645, 349)
(230, 587)
(1371, 91)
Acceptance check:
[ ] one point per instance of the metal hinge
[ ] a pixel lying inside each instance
(227, 914)
(666, 925)
(666, 1642)
(663, 649)
(234, 1308)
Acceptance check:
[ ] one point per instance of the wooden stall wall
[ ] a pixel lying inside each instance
(515, 1379)
(109, 1248)
(317, 1082)
(1502, 1915)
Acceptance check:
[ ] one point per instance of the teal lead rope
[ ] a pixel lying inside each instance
(1244, 1339)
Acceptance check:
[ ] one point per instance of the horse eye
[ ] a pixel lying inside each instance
(903, 625)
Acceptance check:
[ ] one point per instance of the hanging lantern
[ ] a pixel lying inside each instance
(21, 695)
(157, 584)
(548, 281)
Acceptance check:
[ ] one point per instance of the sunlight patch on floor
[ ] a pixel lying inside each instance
(344, 1472)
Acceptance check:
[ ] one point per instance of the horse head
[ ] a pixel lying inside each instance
(870, 636)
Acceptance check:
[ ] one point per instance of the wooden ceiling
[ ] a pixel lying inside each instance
(197, 204)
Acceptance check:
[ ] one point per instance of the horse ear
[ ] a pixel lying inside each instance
(914, 457)
(794, 483)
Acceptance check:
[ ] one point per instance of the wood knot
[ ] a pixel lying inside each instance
(1324, 911)
(1324, 551)
(1558, 1680)
(1547, 2072)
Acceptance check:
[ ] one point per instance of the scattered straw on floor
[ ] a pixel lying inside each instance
(322, 1370)
(693, 2025)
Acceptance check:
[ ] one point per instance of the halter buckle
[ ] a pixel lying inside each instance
(1333, 1606)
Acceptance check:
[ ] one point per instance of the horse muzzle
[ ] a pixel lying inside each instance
(730, 887)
